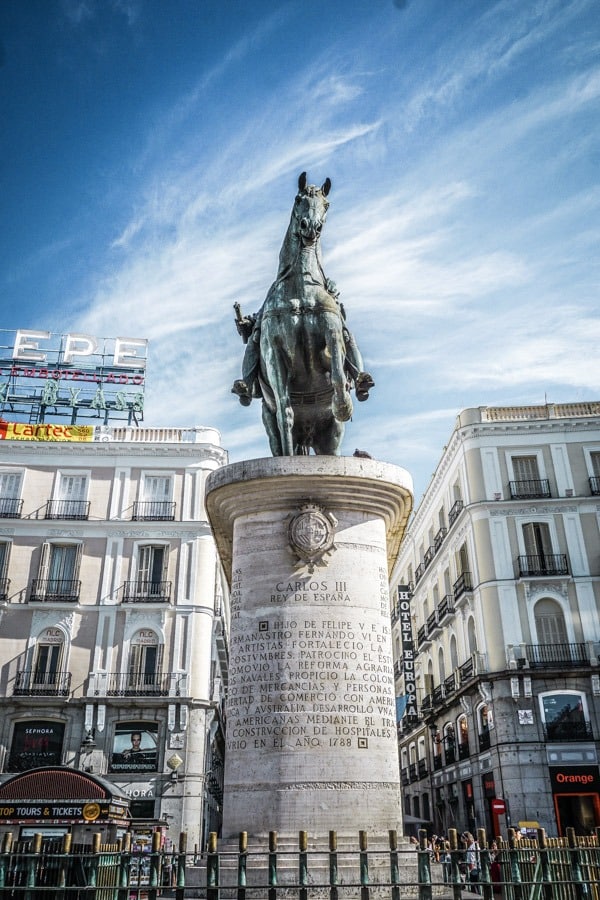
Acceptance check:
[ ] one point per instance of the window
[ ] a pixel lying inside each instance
(527, 483)
(539, 558)
(550, 622)
(150, 583)
(595, 473)
(71, 500)
(155, 502)
(565, 716)
(59, 568)
(145, 662)
(10, 490)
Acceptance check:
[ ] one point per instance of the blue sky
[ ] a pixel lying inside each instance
(149, 156)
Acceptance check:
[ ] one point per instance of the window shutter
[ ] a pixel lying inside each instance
(73, 487)
(44, 561)
(10, 483)
(165, 563)
(525, 468)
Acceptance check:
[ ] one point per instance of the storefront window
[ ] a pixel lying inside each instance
(564, 715)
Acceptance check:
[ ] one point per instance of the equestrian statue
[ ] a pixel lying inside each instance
(300, 357)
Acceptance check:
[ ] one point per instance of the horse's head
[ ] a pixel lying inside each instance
(310, 209)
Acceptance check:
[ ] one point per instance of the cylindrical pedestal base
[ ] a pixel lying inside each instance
(311, 725)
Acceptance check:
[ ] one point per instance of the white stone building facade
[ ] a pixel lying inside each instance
(501, 567)
(114, 619)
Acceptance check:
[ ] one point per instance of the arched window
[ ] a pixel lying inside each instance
(463, 737)
(471, 635)
(453, 653)
(550, 622)
(441, 665)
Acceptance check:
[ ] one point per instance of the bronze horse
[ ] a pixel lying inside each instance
(300, 356)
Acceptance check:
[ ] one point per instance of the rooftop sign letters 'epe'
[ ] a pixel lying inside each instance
(46, 375)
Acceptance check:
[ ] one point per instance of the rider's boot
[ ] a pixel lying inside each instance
(364, 383)
(240, 388)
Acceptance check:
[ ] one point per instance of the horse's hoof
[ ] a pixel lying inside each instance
(364, 383)
(240, 388)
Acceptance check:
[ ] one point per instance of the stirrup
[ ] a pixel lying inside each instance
(240, 388)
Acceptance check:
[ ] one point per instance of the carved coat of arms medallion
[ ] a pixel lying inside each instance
(311, 534)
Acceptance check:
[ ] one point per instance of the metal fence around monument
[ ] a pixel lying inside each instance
(542, 869)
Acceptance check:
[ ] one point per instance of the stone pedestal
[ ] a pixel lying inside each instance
(307, 544)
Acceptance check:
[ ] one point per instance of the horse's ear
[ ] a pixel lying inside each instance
(326, 186)
(302, 182)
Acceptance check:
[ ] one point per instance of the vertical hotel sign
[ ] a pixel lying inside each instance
(408, 650)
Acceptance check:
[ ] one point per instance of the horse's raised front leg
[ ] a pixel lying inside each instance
(342, 401)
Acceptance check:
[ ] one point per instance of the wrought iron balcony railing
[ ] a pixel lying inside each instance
(437, 762)
(568, 731)
(422, 768)
(412, 772)
(419, 572)
(450, 685)
(405, 777)
(595, 485)
(455, 512)
(428, 557)
(547, 656)
(4, 588)
(153, 510)
(530, 489)
(449, 753)
(438, 695)
(463, 750)
(545, 564)
(42, 684)
(137, 684)
(422, 635)
(67, 509)
(432, 621)
(484, 740)
(147, 592)
(439, 538)
(445, 607)
(10, 508)
(467, 670)
(462, 585)
(55, 590)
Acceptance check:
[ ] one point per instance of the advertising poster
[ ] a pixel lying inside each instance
(36, 744)
(135, 747)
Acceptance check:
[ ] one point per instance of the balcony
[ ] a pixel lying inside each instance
(439, 539)
(136, 684)
(595, 485)
(532, 566)
(147, 592)
(463, 750)
(530, 489)
(568, 731)
(419, 572)
(427, 702)
(4, 588)
(437, 762)
(422, 636)
(432, 621)
(462, 585)
(449, 753)
(42, 684)
(445, 607)
(153, 511)
(438, 695)
(485, 740)
(422, 768)
(67, 509)
(467, 670)
(10, 508)
(55, 590)
(412, 772)
(455, 512)
(428, 558)
(562, 656)
(405, 778)
(450, 685)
